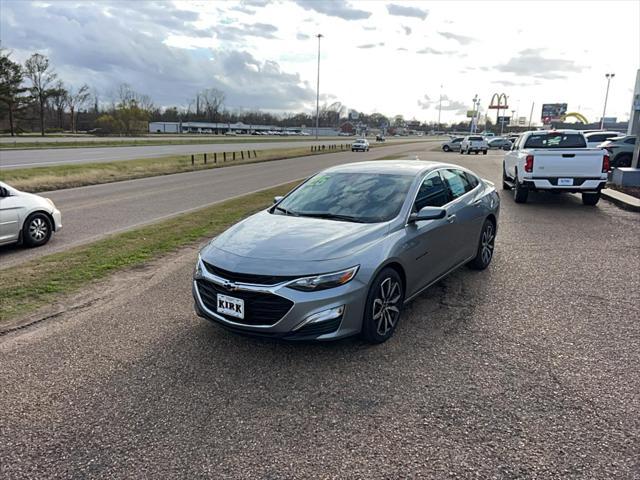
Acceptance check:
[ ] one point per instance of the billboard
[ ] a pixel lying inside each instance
(553, 112)
(522, 121)
(503, 120)
(471, 113)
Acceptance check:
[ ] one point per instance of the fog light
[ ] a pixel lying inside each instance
(322, 316)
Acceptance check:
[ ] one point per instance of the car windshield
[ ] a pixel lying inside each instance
(360, 140)
(556, 140)
(475, 139)
(348, 196)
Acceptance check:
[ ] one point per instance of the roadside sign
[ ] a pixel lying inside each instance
(504, 120)
(471, 113)
(553, 111)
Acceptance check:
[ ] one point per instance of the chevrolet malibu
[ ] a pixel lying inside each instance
(344, 251)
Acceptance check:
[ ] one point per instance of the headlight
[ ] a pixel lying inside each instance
(50, 202)
(197, 272)
(325, 281)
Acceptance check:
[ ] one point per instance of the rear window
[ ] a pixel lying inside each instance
(555, 140)
(475, 139)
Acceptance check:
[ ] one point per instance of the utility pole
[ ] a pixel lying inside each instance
(475, 99)
(531, 115)
(318, 90)
(440, 108)
(606, 97)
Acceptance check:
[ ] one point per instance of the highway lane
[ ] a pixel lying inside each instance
(529, 369)
(89, 213)
(59, 156)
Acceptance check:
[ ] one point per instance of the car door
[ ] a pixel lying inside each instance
(464, 214)
(511, 158)
(10, 209)
(427, 241)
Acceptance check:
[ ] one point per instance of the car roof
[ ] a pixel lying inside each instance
(600, 133)
(398, 167)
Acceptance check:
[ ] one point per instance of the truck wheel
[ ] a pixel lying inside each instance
(520, 192)
(590, 198)
(484, 152)
(505, 183)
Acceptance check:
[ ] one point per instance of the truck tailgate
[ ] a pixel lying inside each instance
(567, 163)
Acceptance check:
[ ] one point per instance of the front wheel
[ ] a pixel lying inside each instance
(484, 152)
(590, 198)
(37, 230)
(486, 245)
(446, 148)
(383, 307)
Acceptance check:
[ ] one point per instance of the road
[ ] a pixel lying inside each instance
(529, 369)
(89, 213)
(62, 156)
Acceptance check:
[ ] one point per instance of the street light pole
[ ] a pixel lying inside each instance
(318, 90)
(475, 99)
(606, 97)
(440, 107)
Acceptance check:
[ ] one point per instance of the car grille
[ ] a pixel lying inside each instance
(247, 277)
(259, 308)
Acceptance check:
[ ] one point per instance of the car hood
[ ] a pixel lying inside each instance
(297, 239)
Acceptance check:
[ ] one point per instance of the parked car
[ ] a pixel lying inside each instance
(500, 143)
(452, 145)
(594, 139)
(26, 218)
(475, 144)
(555, 160)
(361, 144)
(620, 150)
(342, 253)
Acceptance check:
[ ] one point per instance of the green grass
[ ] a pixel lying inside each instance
(31, 285)
(40, 179)
(158, 141)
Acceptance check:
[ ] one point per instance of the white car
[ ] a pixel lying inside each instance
(594, 139)
(361, 144)
(26, 218)
(474, 143)
(555, 160)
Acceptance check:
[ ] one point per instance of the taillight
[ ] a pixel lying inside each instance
(606, 164)
(528, 164)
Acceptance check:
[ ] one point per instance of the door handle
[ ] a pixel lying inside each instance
(477, 202)
(451, 218)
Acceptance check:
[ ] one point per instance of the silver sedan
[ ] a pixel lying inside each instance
(343, 252)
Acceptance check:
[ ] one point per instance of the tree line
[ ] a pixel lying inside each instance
(33, 98)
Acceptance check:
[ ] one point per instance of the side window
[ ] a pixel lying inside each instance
(630, 141)
(432, 193)
(472, 179)
(456, 182)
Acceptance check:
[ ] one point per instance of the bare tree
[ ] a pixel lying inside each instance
(59, 101)
(76, 100)
(37, 70)
(212, 100)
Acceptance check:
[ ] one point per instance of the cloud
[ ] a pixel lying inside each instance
(232, 33)
(401, 49)
(370, 29)
(407, 30)
(402, 11)
(302, 36)
(447, 104)
(461, 39)
(425, 102)
(371, 45)
(334, 8)
(531, 63)
(89, 43)
(432, 51)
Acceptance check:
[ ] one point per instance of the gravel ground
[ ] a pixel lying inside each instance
(529, 369)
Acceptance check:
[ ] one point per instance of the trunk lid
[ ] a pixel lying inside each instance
(567, 162)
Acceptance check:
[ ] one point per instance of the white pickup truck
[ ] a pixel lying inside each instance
(474, 143)
(555, 160)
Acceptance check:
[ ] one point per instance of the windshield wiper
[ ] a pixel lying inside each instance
(285, 211)
(333, 216)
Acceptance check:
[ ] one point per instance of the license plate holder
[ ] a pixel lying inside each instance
(231, 306)
(565, 182)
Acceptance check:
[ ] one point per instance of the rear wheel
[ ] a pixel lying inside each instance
(505, 179)
(486, 246)
(383, 307)
(520, 192)
(591, 198)
(36, 231)
(484, 152)
(446, 148)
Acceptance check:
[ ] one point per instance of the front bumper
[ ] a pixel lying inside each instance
(351, 295)
(57, 219)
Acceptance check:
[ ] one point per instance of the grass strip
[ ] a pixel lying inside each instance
(29, 286)
(159, 141)
(56, 177)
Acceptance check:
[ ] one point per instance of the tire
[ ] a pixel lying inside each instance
(590, 198)
(505, 184)
(446, 148)
(383, 289)
(520, 192)
(622, 160)
(353, 149)
(486, 246)
(484, 152)
(476, 152)
(36, 230)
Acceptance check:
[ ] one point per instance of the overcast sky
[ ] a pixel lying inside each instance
(390, 57)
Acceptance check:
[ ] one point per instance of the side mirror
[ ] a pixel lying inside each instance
(4, 192)
(428, 213)
(277, 199)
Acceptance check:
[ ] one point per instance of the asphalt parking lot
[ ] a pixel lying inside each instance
(530, 369)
